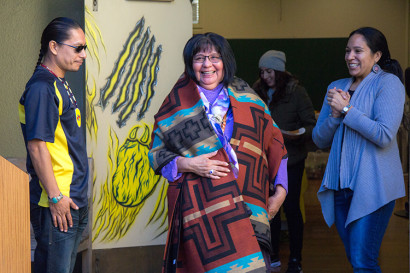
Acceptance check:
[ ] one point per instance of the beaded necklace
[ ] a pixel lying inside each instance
(66, 86)
(70, 95)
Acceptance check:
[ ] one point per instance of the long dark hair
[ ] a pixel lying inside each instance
(205, 41)
(376, 41)
(57, 30)
(282, 79)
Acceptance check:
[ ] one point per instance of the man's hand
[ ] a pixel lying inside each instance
(60, 213)
(40, 156)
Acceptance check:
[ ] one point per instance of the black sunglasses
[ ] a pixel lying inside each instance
(77, 48)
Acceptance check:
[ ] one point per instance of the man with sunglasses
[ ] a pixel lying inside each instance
(56, 152)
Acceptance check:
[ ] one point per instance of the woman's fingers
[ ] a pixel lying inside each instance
(343, 94)
(218, 172)
(209, 155)
(217, 169)
(206, 167)
(337, 99)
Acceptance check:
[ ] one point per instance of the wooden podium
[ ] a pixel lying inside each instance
(14, 219)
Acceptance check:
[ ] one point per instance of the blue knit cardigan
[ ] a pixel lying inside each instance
(367, 160)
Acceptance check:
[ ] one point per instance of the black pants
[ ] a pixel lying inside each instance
(293, 214)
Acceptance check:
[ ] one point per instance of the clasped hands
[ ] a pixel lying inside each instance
(337, 100)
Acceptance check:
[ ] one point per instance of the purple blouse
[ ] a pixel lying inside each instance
(170, 171)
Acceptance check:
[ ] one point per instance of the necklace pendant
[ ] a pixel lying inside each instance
(217, 119)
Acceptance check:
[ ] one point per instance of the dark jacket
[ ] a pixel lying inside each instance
(293, 111)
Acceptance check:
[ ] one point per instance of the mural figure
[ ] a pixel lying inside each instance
(134, 75)
(93, 37)
(132, 181)
(128, 91)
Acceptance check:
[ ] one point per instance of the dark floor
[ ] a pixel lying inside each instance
(323, 251)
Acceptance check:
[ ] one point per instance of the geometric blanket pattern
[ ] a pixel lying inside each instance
(217, 225)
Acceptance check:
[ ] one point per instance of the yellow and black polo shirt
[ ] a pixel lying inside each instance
(46, 113)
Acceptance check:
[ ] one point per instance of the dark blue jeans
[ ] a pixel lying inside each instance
(363, 237)
(56, 251)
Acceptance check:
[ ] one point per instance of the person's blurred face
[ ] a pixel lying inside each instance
(208, 68)
(359, 57)
(268, 76)
(68, 59)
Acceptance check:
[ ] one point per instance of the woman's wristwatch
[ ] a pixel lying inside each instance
(346, 108)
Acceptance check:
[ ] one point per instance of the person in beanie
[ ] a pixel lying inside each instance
(292, 110)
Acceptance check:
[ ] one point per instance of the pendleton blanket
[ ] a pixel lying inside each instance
(217, 225)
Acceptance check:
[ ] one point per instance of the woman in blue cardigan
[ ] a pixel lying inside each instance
(359, 120)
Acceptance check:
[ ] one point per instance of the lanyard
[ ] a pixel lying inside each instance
(67, 87)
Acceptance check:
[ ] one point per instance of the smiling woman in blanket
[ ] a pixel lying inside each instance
(359, 120)
(215, 142)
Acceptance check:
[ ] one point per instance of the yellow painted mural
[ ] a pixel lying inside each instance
(134, 57)
(129, 182)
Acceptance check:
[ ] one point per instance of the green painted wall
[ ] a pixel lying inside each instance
(22, 23)
(315, 62)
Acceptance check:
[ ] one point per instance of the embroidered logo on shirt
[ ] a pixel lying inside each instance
(78, 117)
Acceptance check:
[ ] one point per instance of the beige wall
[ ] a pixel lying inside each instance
(171, 25)
(252, 19)
(22, 24)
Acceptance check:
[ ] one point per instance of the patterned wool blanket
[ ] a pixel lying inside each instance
(217, 225)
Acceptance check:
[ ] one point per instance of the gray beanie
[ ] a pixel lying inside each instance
(273, 59)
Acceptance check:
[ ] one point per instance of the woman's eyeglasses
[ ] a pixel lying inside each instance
(212, 59)
(77, 49)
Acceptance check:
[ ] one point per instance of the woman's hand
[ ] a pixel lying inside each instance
(276, 201)
(337, 99)
(202, 165)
